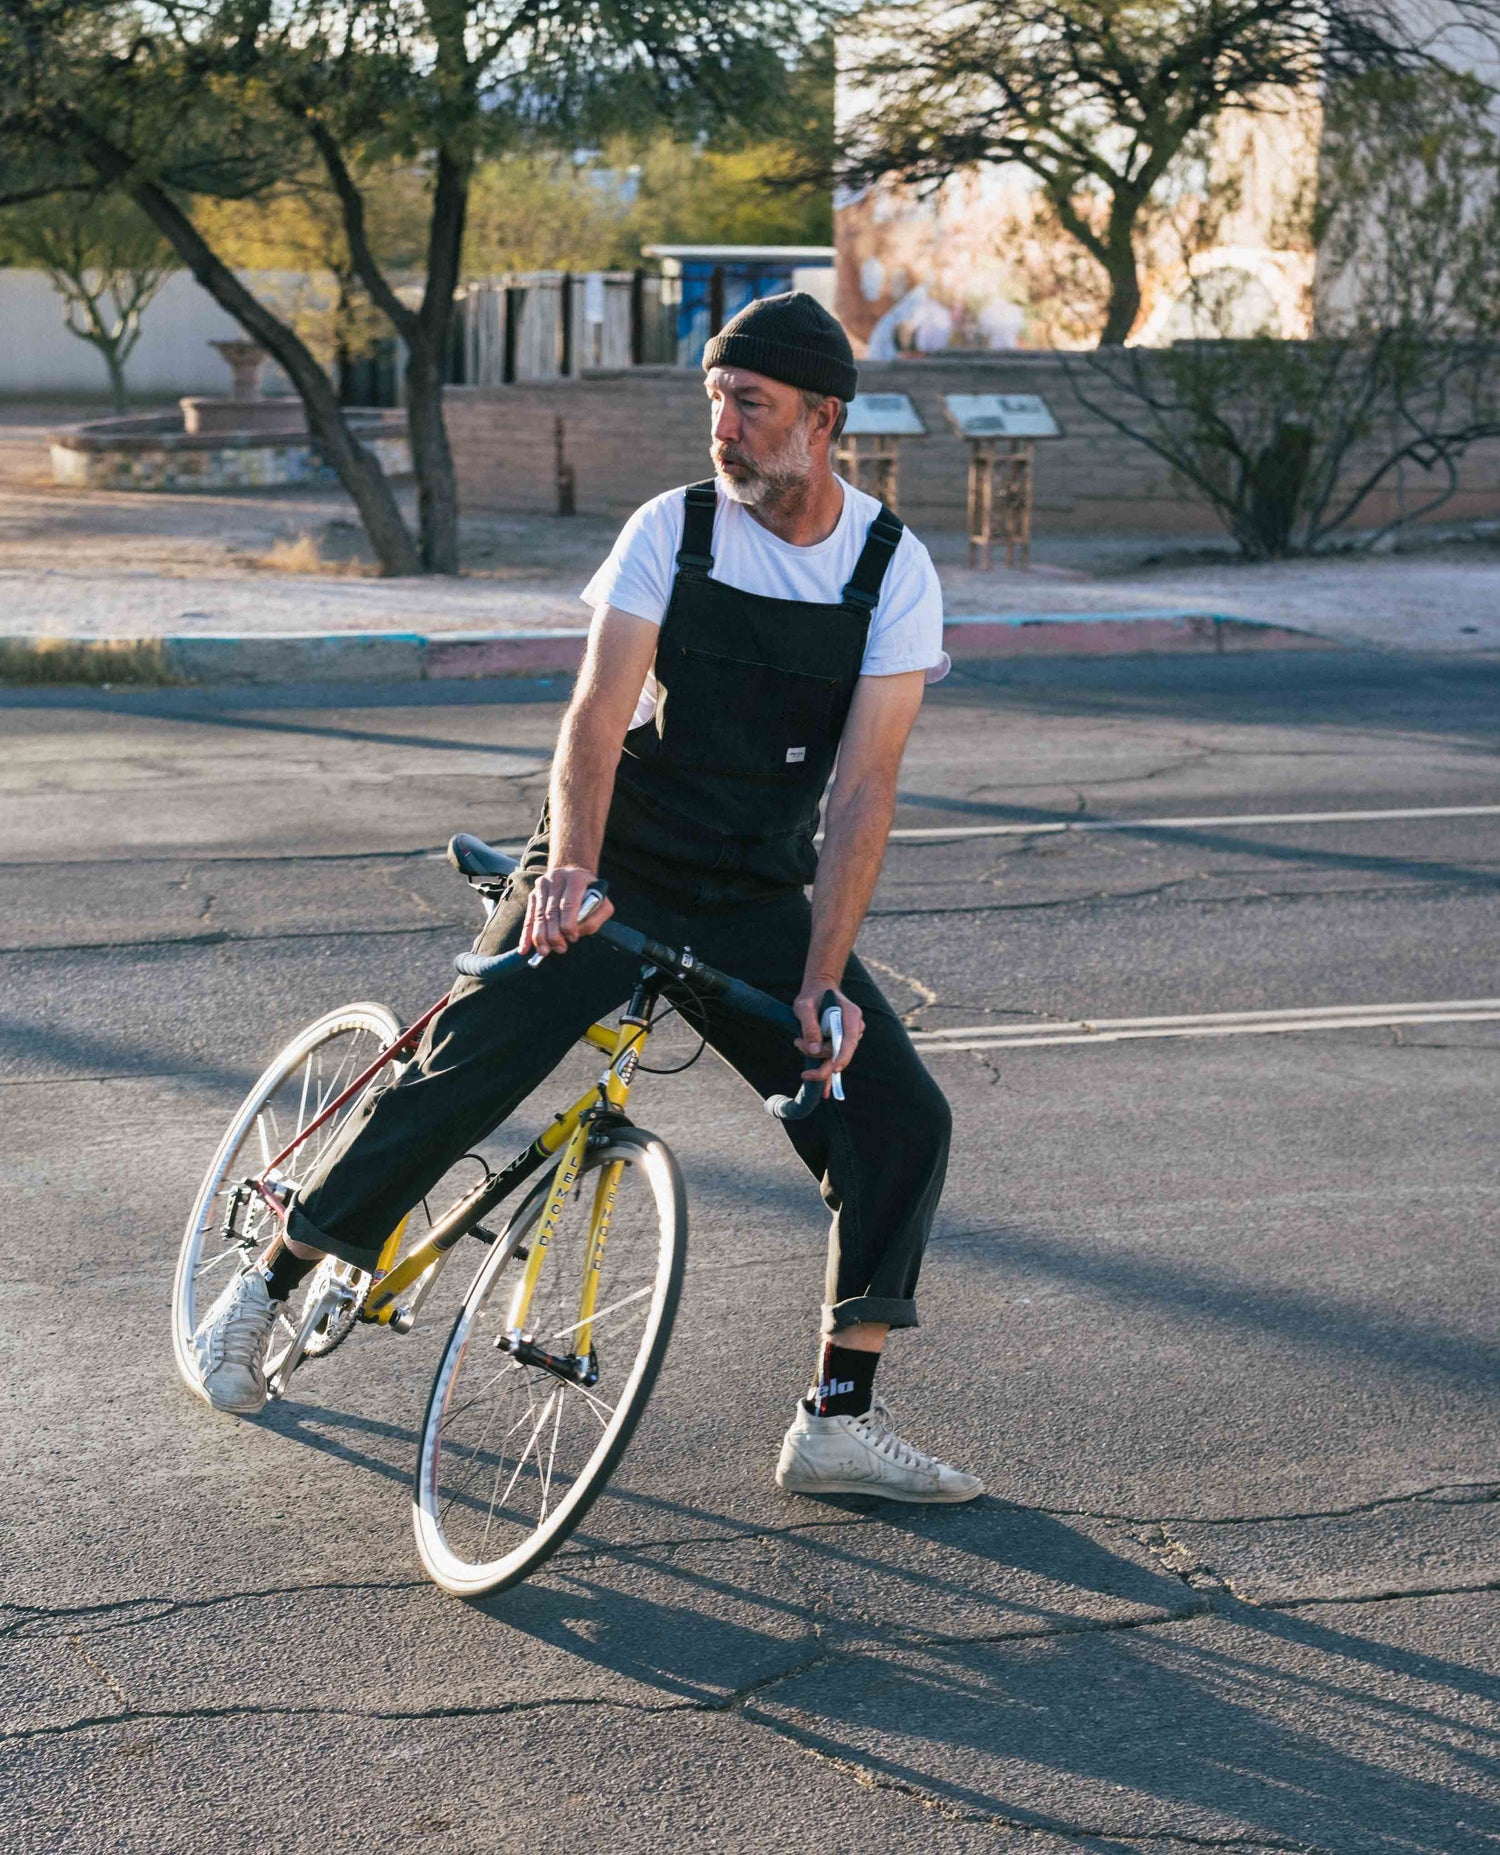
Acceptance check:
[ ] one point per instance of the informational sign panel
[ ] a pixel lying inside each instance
(1001, 415)
(883, 415)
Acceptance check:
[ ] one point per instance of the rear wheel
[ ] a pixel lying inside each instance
(230, 1225)
(515, 1451)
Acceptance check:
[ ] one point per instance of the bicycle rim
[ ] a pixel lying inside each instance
(299, 1082)
(513, 1454)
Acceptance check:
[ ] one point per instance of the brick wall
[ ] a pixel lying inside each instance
(633, 434)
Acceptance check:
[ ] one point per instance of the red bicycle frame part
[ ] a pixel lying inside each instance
(361, 1081)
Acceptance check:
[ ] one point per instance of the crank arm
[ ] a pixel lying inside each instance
(334, 1299)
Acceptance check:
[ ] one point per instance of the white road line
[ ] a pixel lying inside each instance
(1057, 827)
(1230, 820)
(1209, 1024)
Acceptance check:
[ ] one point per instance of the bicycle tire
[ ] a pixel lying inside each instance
(377, 1026)
(443, 1458)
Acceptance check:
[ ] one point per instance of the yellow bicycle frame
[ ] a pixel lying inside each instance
(568, 1135)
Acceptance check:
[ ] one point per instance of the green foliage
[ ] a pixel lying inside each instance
(750, 195)
(1289, 440)
(1099, 100)
(231, 100)
(542, 212)
(1407, 223)
(294, 235)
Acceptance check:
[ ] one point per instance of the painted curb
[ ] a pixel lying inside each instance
(409, 656)
(1105, 634)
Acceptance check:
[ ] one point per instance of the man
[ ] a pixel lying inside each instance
(746, 632)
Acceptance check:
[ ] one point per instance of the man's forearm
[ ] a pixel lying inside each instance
(854, 841)
(583, 782)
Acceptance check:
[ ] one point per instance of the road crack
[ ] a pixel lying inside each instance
(1249, 898)
(926, 997)
(97, 1668)
(220, 937)
(869, 1778)
(1442, 1494)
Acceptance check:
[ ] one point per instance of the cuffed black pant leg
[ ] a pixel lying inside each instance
(880, 1155)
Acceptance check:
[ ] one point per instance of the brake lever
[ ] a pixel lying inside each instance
(832, 1024)
(591, 900)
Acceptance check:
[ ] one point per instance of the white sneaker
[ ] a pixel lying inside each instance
(231, 1344)
(864, 1455)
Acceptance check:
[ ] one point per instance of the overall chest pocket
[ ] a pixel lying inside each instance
(745, 718)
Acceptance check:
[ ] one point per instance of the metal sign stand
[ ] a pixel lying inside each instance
(877, 459)
(868, 452)
(1000, 481)
(1000, 484)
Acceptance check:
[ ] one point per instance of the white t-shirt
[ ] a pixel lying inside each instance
(906, 627)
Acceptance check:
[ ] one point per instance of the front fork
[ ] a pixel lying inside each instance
(580, 1365)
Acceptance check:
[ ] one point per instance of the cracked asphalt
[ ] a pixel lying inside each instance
(1215, 1319)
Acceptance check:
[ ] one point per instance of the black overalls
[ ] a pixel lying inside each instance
(726, 778)
(709, 843)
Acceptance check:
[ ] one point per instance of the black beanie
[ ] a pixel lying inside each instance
(791, 338)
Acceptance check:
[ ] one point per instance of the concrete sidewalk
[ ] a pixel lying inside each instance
(89, 593)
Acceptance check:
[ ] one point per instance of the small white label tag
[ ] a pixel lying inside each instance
(794, 754)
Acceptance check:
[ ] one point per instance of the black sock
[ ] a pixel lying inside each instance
(286, 1272)
(846, 1382)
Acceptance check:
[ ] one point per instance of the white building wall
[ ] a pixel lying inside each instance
(39, 358)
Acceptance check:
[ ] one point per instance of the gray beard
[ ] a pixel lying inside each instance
(785, 472)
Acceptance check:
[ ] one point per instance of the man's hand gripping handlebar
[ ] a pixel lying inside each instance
(677, 963)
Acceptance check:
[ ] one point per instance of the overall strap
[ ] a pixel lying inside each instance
(863, 590)
(696, 555)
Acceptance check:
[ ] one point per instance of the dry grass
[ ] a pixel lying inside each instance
(340, 551)
(89, 662)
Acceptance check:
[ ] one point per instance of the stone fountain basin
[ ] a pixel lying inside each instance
(215, 445)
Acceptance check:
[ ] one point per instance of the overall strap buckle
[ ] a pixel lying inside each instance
(862, 593)
(696, 556)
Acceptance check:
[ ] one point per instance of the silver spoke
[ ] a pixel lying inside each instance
(490, 1423)
(337, 1083)
(478, 1458)
(603, 1313)
(536, 1431)
(302, 1103)
(551, 1460)
(511, 1365)
(594, 1403)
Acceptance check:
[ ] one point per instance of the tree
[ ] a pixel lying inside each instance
(545, 211)
(234, 99)
(295, 231)
(1097, 99)
(105, 260)
(1289, 439)
(749, 194)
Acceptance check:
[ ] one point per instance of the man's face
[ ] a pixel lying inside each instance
(761, 434)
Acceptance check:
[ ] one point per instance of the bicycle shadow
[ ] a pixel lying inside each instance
(1003, 1662)
(713, 1616)
(1213, 1717)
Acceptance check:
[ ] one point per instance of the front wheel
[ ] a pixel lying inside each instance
(514, 1450)
(229, 1224)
